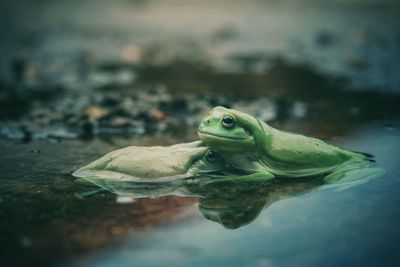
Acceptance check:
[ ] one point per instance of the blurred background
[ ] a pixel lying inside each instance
(81, 78)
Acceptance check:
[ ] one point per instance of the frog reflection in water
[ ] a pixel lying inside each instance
(160, 163)
(250, 145)
(236, 204)
(231, 202)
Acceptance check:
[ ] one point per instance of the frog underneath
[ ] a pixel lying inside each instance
(160, 163)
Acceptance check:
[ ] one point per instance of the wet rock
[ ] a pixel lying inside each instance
(125, 200)
(120, 122)
(164, 105)
(62, 133)
(104, 79)
(158, 114)
(12, 133)
(95, 112)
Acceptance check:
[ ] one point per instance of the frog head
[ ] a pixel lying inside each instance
(228, 130)
(209, 162)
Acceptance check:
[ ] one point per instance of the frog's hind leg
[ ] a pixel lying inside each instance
(351, 175)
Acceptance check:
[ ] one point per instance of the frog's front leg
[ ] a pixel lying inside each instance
(351, 175)
(254, 172)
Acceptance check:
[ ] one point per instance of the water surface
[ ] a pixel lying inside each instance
(45, 218)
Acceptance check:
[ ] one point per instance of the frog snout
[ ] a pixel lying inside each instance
(204, 123)
(201, 126)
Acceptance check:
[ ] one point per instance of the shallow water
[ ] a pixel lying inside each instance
(46, 219)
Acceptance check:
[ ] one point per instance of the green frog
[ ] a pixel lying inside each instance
(250, 145)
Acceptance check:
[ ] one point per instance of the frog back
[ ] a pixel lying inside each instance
(295, 155)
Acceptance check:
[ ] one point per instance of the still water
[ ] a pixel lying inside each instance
(46, 218)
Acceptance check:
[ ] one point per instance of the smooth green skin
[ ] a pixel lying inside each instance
(262, 151)
(156, 162)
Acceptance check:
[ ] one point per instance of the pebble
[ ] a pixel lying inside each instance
(125, 200)
(95, 112)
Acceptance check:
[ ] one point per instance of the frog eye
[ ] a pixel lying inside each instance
(211, 156)
(228, 122)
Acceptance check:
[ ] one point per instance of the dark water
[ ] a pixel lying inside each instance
(72, 83)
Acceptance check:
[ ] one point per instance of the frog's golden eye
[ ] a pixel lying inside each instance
(228, 122)
(211, 156)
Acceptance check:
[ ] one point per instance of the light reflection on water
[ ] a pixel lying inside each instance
(310, 228)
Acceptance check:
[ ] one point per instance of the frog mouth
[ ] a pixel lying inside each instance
(217, 136)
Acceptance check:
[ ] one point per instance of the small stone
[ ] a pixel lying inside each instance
(157, 114)
(119, 122)
(125, 200)
(95, 112)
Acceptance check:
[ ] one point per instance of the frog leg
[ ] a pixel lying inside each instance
(259, 173)
(90, 193)
(255, 172)
(88, 183)
(351, 175)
